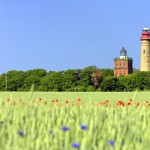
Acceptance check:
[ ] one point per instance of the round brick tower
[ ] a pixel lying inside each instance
(145, 50)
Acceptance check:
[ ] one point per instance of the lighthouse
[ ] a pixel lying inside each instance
(123, 64)
(145, 50)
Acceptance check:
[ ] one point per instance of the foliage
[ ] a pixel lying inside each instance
(112, 84)
(107, 72)
(73, 80)
(51, 82)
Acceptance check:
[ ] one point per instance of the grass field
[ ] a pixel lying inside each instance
(67, 121)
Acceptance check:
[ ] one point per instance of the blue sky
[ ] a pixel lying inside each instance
(69, 34)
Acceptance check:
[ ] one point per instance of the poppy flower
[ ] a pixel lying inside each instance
(66, 101)
(8, 99)
(129, 103)
(79, 99)
(131, 100)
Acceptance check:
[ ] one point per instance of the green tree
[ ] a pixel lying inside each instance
(86, 75)
(3, 84)
(33, 77)
(15, 80)
(69, 80)
(139, 80)
(51, 82)
(107, 72)
(112, 84)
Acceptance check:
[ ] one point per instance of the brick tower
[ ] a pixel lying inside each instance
(123, 64)
(145, 50)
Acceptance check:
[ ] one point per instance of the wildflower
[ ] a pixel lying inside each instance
(112, 143)
(64, 128)
(137, 104)
(53, 101)
(131, 100)
(83, 127)
(129, 103)
(8, 99)
(76, 145)
(66, 101)
(123, 104)
(20, 133)
(56, 100)
(40, 98)
(79, 99)
(107, 101)
(51, 131)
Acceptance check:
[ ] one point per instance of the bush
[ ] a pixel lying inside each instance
(90, 89)
(112, 84)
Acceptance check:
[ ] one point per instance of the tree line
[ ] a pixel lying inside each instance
(73, 80)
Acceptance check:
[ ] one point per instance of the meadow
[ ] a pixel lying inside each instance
(77, 120)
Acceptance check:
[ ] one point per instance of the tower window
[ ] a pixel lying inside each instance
(121, 65)
(143, 51)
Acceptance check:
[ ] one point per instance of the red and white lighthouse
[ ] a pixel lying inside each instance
(145, 50)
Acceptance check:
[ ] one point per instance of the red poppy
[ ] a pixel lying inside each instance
(123, 104)
(79, 99)
(66, 101)
(129, 103)
(8, 99)
(137, 104)
(107, 101)
(40, 98)
(131, 100)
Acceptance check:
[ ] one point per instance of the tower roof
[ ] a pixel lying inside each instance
(146, 29)
(123, 52)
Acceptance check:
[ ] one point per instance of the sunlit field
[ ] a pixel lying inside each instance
(74, 121)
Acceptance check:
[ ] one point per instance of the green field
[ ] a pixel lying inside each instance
(86, 96)
(31, 121)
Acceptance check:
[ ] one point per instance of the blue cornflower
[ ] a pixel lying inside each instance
(83, 127)
(51, 131)
(20, 133)
(65, 128)
(76, 145)
(112, 143)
